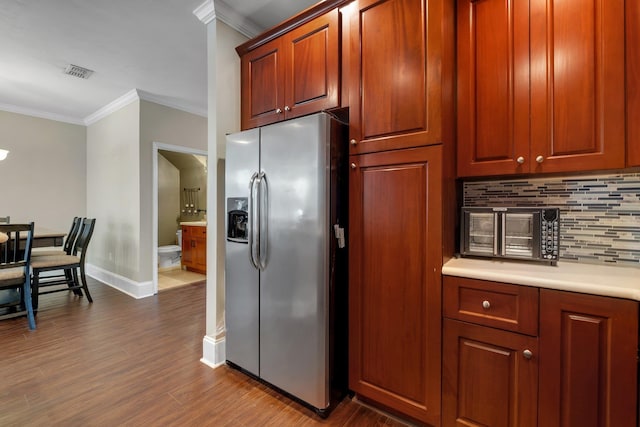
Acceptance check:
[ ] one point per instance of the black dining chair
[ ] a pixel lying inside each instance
(67, 248)
(72, 266)
(15, 280)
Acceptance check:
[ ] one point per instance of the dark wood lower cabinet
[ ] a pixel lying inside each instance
(395, 257)
(588, 360)
(490, 377)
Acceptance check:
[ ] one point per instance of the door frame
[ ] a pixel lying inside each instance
(154, 215)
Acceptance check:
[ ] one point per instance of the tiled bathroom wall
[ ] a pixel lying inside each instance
(599, 215)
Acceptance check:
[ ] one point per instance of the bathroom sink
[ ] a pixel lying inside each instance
(195, 223)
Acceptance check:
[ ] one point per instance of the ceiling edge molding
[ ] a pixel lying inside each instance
(235, 20)
(206, 12)
(41, 114)
(112, 107)
(146, 96)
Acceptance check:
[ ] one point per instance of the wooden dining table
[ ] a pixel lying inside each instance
(44, 237)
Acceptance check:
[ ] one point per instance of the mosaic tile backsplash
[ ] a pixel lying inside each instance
(599, 215)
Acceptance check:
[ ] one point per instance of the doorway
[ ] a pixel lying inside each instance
(179, 196)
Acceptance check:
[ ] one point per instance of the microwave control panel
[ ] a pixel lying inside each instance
(550, 234)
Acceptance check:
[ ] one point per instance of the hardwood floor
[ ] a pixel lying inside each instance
(127, 362)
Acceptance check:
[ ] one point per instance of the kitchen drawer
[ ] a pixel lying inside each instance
(498, 305)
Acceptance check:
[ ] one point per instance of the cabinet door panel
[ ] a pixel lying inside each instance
(588, 360)
(493, 87)
(578, 92)
(313, 68)
(633, 82)
(187, 250)
(395, 290)
(487, 381)
(262, 85)
(395, 97)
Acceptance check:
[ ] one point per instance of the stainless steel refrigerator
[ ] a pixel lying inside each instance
(285, 272)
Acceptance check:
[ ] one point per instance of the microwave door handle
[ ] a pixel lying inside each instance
(495, 233)
(503, 235)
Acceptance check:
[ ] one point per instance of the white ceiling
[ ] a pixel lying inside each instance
(155, 46)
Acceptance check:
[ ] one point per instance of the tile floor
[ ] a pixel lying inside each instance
(174, 278)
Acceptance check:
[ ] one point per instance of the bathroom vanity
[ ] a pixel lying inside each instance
(194, 246)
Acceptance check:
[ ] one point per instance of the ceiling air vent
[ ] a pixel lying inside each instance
(76, 71)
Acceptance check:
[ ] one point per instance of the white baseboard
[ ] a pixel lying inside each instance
(135, 289)
(213, 351)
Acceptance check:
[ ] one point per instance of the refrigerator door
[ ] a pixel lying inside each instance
(294, 281)
(241, 277)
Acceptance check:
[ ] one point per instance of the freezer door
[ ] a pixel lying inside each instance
(294, 281)
(241, 278)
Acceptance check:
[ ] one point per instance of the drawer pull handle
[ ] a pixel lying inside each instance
(527, 354)
(486, 305)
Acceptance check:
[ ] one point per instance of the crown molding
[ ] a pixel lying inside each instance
(41, 114)
(112, 107)
(235, 20)
(206, 12)
(126, 99)
(146, 96)
(140, 95)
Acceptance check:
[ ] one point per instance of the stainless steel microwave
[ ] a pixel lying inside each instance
(517, 233)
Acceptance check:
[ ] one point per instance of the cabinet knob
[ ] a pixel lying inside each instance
(486, 305)
(527, 354)
(539, 159)
(353, 166)
(278, 111)
(520, 160)
(287, 108)
(353, 142)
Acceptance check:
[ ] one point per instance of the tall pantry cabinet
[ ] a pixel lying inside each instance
(398, 67)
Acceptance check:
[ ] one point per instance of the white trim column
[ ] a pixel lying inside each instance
(212, 349)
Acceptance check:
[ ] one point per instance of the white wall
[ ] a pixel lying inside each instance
(119, 187)
(113, 192)
(168, 201)
(167, 126)
(43, 178)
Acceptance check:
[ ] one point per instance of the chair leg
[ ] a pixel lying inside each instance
(84, 283)
(76, 281)
(35, 286)
(28, 303)
(71, 282)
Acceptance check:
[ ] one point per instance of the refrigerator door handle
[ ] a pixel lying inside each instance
(252, 219)
(263, 219)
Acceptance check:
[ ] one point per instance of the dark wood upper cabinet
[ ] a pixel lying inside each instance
(292, 75)
(633, 82)
(262, 85)
(395, 235)
(493, 87)
(541, 86)
(395, 74)
(588, 360)
(577, 85)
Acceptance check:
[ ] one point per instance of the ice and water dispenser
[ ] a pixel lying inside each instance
(237, 219)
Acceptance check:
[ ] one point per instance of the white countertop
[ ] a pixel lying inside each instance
(194, 223)
(621, 282)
